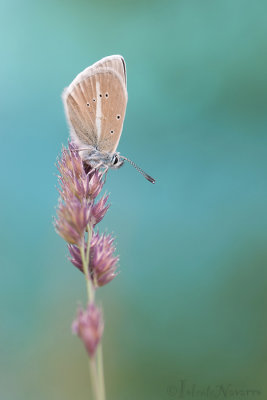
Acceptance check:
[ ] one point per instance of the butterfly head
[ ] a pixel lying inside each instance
(96, 158)
(116, 161)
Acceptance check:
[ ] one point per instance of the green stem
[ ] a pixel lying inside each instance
(89, 284)
(100, 370)
(94, 379)
(95, 363)
(89, 237)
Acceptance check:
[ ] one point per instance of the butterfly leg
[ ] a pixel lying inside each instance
(105, 172)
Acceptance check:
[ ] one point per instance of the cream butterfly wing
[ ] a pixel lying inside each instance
(95, 104)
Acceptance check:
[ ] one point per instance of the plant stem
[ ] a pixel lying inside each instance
(94, 379)
(89, 237)
(95, 363)
(100, 369)
(85, 261)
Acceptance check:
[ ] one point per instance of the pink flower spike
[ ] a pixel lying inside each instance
(75, 179)
(102, 262)
(89, 326)
(96, 183)
(72, 219)
(99, 210)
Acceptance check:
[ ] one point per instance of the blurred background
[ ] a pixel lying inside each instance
(188, 308)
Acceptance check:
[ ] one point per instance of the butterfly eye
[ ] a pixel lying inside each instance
(100, 95)
(87, 104)
(93, 99)
(115, 160)
(118, 116)
(106, 95)
(111, 132)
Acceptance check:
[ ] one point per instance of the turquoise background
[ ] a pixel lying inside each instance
(190, 300)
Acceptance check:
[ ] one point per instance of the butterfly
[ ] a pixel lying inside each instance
(95, 105)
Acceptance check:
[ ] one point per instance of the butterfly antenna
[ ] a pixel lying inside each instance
(148, 177)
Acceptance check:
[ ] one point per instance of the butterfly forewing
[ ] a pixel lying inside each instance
(116, 63)
(113, 106)
(95, 104)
